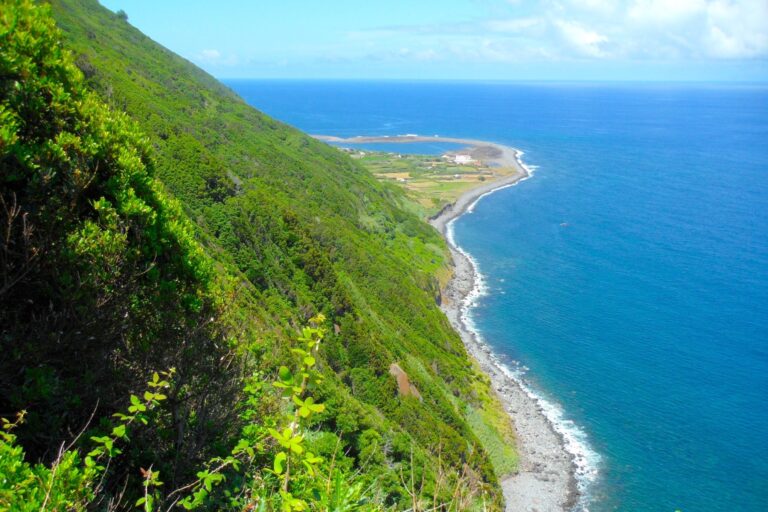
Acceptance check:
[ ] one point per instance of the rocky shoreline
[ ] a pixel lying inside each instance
(546, 476)
(545, 481)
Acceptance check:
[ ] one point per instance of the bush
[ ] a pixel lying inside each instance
(101, 278)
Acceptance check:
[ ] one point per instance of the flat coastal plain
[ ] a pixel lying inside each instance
(545, 480)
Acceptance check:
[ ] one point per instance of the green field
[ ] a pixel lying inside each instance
(431, 180)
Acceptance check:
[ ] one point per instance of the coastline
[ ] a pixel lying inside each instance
(546, 479)
(499, 154)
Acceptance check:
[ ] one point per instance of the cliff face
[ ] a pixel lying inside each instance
(287, 228)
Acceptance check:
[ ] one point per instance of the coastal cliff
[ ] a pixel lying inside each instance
(199, 238)
(545, 477)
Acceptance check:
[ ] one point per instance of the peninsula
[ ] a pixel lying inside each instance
(439, 182)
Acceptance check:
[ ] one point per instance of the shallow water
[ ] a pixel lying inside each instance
(630, 274)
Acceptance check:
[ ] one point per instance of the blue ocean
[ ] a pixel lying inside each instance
(629, 275)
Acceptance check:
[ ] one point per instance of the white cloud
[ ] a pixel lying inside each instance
(210, 54)
(582, 40)
(599, 6)
(737, 30)
(514, 25)
(660, 29)
(665, 12)
(214, 57)
(628, 30)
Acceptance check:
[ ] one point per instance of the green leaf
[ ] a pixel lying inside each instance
(136, 405)
(285, 374)
(296, 445)
(278, 464)
(119, 431)
(283, 438)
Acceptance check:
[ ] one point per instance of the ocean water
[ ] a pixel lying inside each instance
(409, 148)
(628, 278)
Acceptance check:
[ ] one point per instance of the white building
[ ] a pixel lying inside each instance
(462, 159)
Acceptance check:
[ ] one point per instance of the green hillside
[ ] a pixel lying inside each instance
(267, 228)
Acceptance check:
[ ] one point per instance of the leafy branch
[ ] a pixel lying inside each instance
(293, 457)
(137, 411)
(294, 386)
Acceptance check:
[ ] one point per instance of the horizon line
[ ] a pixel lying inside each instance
(507, 80)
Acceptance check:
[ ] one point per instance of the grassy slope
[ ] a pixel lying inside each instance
(304, 229)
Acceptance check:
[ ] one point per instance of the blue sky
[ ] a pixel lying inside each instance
(464, 39)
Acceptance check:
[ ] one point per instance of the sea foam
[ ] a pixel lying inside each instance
(529, 170)
(586, 460)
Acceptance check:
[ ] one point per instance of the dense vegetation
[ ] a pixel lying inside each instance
(107, 280)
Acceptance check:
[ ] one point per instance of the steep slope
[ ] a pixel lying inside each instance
(101, 280)
(297, 228)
